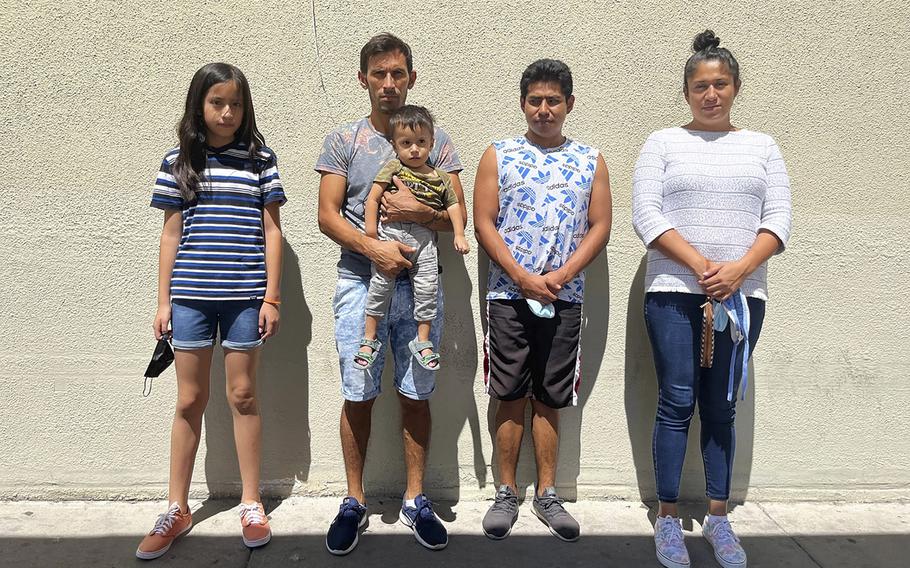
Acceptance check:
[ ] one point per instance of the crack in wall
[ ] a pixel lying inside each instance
(322, 87)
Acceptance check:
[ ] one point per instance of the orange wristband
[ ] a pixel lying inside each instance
(275, 303)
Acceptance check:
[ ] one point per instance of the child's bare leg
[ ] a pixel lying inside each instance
(370, 326)
(423, 334)
(369, 332)
(192, 396)
(423, 331)
(240, 368)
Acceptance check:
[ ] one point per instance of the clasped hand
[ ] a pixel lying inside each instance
(400, 205)
(720, 280)
(543, 288)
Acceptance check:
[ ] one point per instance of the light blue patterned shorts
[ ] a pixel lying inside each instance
(395, 331)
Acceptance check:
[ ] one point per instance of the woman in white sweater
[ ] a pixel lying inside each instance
(711, 202)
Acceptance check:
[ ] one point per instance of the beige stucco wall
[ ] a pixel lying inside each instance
(89, 96)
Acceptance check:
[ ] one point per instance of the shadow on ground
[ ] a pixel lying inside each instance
(463, 550)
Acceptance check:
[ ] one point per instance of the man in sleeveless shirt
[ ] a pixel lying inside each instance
(351, 157)
(542, 212)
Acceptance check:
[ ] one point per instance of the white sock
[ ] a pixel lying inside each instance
(716, 518)
(410, 503)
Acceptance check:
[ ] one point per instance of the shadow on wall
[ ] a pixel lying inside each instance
(283, 392)
(452, 405)
(595, 326)
(641, 407)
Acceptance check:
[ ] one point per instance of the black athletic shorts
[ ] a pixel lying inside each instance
(525, 355)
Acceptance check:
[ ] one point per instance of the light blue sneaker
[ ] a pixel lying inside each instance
(669, 543)
(728, 551)
(428, 529)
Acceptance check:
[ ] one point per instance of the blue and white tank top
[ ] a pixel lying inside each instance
(544, 195)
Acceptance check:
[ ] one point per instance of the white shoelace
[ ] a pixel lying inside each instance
(166, 520)
(251, 513)
(671, 532)
(723, 532)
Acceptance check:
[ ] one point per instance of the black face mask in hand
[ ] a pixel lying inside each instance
(161, 360)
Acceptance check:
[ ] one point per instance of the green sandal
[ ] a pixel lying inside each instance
(370, 358)
(417, 346)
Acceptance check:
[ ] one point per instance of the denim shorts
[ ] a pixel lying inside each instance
(195, 322)
(394, 332)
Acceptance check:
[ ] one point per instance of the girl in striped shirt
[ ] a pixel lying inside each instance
(218, 271)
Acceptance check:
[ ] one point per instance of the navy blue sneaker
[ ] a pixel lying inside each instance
(345, 529)
(428, 529)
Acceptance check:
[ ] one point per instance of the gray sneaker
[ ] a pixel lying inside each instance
(497, 523)
(548, 508)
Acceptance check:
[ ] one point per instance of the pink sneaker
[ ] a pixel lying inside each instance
(168, 527)
(255, 525)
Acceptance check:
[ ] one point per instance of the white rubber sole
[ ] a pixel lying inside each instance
(362, 522)
(159, 553)
(726, 564)
(493, 536)
(552, 532)
(407, 522)
(257, 543)
(669, 563)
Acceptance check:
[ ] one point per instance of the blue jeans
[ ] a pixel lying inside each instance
(398, 328)
(194, 323)
(674, 322)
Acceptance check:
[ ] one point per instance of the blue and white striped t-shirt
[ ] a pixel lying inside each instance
(222, 249)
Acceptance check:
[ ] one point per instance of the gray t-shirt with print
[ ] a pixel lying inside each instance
(358, 151)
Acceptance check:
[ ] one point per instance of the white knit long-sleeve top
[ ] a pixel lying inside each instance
(717, 189)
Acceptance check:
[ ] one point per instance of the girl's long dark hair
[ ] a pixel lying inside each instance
(191, 129)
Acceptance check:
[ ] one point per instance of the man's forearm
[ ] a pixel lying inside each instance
(343, 232)
(591, 245)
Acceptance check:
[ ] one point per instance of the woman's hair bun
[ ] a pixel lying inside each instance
(705, 40)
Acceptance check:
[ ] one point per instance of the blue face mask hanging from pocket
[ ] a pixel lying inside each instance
(734, 313)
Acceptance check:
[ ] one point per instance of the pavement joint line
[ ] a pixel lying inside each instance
(790, 536)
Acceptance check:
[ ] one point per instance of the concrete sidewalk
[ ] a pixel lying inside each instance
(105, 534)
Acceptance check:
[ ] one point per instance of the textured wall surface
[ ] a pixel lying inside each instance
(90, 94)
